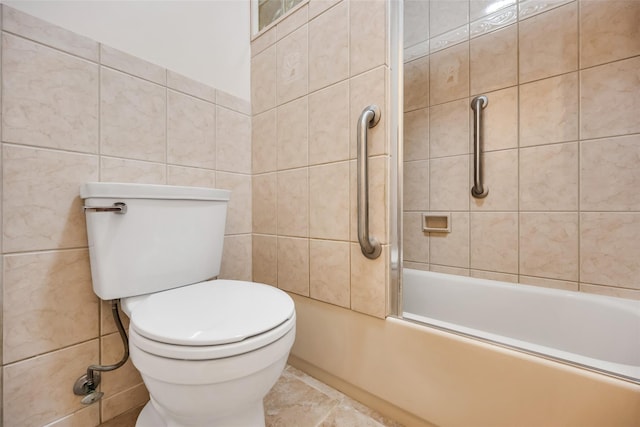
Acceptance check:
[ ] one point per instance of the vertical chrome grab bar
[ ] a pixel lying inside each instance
(479, 191)
(370, 246)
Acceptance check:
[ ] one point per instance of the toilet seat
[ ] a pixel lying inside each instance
(209, 320)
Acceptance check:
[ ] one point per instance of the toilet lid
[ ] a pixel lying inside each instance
(211, 313)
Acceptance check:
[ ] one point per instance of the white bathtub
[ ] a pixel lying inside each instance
(591, 331)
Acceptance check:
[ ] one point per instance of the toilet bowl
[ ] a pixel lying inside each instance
(208, 350)
(209, 353)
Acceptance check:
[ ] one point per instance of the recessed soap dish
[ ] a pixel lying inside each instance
(436, 222)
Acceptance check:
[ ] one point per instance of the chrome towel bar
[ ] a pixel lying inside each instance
(370, 246)
(479, 191)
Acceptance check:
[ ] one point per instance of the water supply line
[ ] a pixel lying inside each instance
(87, 384)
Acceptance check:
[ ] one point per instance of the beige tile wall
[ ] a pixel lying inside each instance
(312, 75)
(75, 111)
(561, 148)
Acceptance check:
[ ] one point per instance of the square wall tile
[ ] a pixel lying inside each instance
(122, 402)
(449, 184)
(499, 47)
(494, 241)
(367, 35)
(41, 203)
(293, 265)
(293, 203)
(264, 259)
(369, 282)
(501, 176)
(456, 271)
(239, 207)
(292, 134)
(292, 73)
(329, 269)
(416, 22)
(451, 249)
(133, 171)
(416, 186)
(188, 86)
(549, 43)
(415, 242)
(329, 201)
(50, 99)
(549, 110)
(365, 90)
(609, 247)
(449, 79)
(264, 205)
(263, 41)
(32, 28)
(549, 245)
(481, 8)
(37, 391)
(609, 174)
(233, 141)
(445, 15)
(292, 21)
(329, 47)
(191, 131)
(264, 142)
(263, 80)
(316, 7)
(449, 129)
(609, 100)
(329, 124)
(416, 135)
(226, 100)
(549, 178)
(416, 84)
(89, 416)
(500, 120)
(132, 117)
(608, 31)
(490, 275)
(236, 258)
(130, 64)
(191, 177)
(610, 291)
(48, 303)
(549, 283)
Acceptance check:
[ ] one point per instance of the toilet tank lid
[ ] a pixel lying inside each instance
(119, 190)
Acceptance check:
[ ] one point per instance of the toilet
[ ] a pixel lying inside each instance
(208, 349)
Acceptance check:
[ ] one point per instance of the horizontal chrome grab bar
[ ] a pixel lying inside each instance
(118, 207)
(370, 246)
(479, 191)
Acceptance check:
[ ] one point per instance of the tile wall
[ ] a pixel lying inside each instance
(561, 141)
(312, 75)
(74, 111)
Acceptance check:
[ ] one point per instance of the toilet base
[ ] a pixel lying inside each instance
(250, 417)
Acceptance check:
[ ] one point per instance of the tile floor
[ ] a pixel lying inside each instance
(298, 400)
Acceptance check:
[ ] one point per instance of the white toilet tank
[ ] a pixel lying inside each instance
(169, 236)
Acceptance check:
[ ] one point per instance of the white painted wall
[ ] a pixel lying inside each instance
(207, 40)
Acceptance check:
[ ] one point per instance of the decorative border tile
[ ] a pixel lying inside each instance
(416, 51)
(450, 38)
(529, 8)
(495, 21)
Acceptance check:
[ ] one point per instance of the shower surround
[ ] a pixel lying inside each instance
(561, 141)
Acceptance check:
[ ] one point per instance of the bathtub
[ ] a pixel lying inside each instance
(590, 331)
